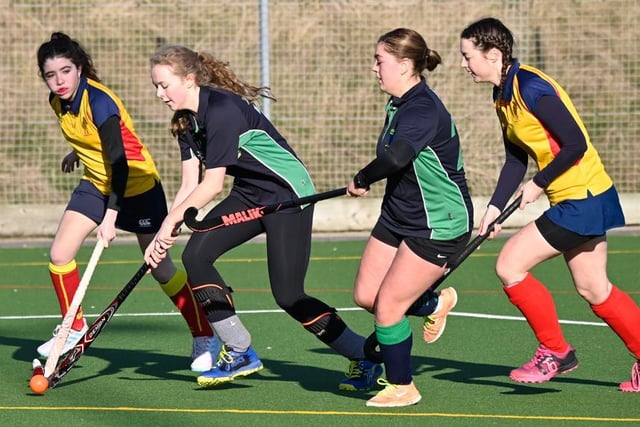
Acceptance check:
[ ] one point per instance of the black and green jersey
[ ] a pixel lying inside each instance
(234, 134)
(428, 198)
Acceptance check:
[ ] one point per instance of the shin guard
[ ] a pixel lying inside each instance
(327, 327)
(216, 301)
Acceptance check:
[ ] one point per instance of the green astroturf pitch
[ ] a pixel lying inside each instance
(137, 371)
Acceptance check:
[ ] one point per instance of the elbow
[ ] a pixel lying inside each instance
(396, 164)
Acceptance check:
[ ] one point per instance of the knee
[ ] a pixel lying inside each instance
(191, 257)
(364, 300)
(501, 273)
(505, 271)
(164, 271)
(287, 302)
(60, 256)
(595, 295)
(365, 293)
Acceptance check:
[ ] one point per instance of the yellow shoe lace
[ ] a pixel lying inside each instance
(386, 384)
(431, 322)
(224, 356)
(354, 370)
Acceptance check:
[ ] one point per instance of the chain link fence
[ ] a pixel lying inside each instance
(319, 60)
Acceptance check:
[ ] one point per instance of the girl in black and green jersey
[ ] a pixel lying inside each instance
(426, 215)
(221, 132)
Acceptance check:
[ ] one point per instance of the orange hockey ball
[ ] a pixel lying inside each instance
(39, 384)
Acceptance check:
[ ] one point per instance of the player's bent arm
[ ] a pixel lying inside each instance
(113, 146)
(557, 120)
(207, 190)
(386, 164)
(190, 179)
(511, 174)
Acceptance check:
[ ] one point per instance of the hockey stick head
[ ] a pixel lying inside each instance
(94, 330)
(62, 333)
(38, 382)
(190, 216)
(210, 222)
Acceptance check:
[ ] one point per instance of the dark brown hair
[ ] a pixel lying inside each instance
(489, 33)
(61, 45)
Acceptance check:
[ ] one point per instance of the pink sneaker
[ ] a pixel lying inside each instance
(545, 365)
(632, 386)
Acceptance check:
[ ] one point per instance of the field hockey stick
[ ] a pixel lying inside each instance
(94, 330)
(476, 242)
(251, 214)
(65, 327)
(372, 342)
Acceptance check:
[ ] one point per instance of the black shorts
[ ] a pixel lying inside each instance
(141, 214)
(560, 238)
(437, 252)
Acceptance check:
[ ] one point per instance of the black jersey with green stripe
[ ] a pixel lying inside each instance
(234, 134)
(429, 198)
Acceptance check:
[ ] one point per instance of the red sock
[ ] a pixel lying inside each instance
(534, 301)
(65, 279)
(182, 296)
(622, 314)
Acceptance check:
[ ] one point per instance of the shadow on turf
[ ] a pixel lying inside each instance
(159, 366)
(468, 372)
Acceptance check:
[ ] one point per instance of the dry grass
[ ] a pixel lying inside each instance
(321, 51)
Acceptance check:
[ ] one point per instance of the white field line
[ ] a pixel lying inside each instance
(453, 313)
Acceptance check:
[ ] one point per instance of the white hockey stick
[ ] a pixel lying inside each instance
(65, 326)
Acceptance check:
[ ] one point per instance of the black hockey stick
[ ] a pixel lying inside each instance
(372, 342)
(94, 330)
(477, 241)
(251, 214)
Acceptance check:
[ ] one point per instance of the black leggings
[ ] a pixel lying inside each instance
(288, 240)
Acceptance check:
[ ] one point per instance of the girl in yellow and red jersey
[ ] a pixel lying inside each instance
(120, 188)
(539, 120)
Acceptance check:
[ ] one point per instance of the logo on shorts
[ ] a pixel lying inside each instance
(144, 222)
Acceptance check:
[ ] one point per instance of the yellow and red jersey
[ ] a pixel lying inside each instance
(523, 87)
(80, 121)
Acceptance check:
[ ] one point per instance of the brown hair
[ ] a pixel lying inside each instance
(406, 43)
(208, 71)
(489, 33)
